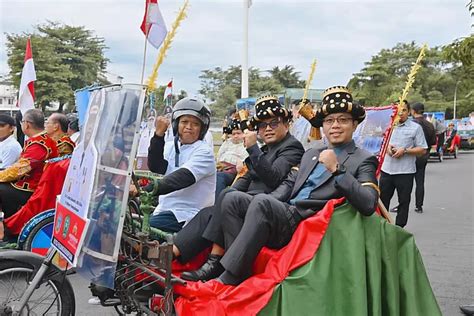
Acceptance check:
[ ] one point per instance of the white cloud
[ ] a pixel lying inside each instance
(342, 35)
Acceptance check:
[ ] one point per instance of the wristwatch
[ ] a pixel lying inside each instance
(405, 151)
(2, 215)
(340, 169)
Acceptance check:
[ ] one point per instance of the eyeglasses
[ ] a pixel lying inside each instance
(341, 120)
(273, 124)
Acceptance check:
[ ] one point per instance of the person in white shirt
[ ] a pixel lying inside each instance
(10, 149)
(187, 163)
(230, 156)
(399, 166)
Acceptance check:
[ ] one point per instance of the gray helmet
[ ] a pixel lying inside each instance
(194, 107)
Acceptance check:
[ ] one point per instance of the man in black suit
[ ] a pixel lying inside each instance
(339, 170)
(267, 168)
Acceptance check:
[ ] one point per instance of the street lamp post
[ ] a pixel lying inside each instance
(245, 66)
(455, 98)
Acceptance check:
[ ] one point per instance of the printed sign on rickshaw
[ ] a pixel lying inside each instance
(71, 210)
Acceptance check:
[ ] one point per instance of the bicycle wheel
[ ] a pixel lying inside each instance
(39, 239)
(50, 298)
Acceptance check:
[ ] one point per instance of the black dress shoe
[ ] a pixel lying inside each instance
(467, 309)
(229, 279)
(211, 269)
(419, 209)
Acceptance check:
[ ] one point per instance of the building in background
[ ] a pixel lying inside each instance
(292, 94)
(8, 96)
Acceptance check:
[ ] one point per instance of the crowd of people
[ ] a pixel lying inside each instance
(257, 190)
(22, 165)
(282, 185)
(205, 199)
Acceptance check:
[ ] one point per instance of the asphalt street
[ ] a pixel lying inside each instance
(444, 234)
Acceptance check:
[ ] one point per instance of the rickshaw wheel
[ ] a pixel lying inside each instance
(39, 239)
(118, 309)
(455, 153)
(51, 298)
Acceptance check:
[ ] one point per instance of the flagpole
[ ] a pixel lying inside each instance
(171, 99)
(144, 60)
(245, 66)
(144, 50)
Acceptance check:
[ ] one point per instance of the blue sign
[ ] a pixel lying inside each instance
(82, 104)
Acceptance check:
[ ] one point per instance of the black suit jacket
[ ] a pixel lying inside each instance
(269, 165)
(357, 185)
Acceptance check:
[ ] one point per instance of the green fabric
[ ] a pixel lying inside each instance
(364, 266)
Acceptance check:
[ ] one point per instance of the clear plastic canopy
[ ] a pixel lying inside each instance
(112, 128)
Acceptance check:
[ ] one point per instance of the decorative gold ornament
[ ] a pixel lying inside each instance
(308, 84)
(166, 45)
(410, 80)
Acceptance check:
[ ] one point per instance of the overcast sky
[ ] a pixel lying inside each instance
(341, 35)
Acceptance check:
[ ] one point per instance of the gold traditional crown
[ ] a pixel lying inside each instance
(335, 89)
(266, 98)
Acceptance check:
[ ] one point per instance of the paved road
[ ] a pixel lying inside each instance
(444, 234)
(445, 231)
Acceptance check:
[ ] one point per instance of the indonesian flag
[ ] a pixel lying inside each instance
(26, 97)
(168, 90)
(153, 25)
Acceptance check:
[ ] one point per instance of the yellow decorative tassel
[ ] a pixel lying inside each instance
(166, 45)
(308, 82)
(306, 110)
(410, 80)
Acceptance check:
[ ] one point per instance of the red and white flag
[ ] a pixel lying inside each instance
(153, 25)
(168, 90)
(26, 97)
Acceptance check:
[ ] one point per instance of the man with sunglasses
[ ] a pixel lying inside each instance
(18, 181)
(339, 170)
(267, 168)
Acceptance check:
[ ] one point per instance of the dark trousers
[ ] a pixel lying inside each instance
(166, 221)
(403, 183)
(202, 231)
(440, 141)
(250, 223)
(223, 180)
(12, 199)
(420, 181)
(190, 240)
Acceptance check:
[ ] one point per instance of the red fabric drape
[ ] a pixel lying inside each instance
(44, 197)
(271, 267)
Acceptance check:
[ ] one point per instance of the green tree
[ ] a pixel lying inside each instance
(222, 87)
(382, 79)
(66, 58)
(287, 76)
(460, 55)
(182, 94)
